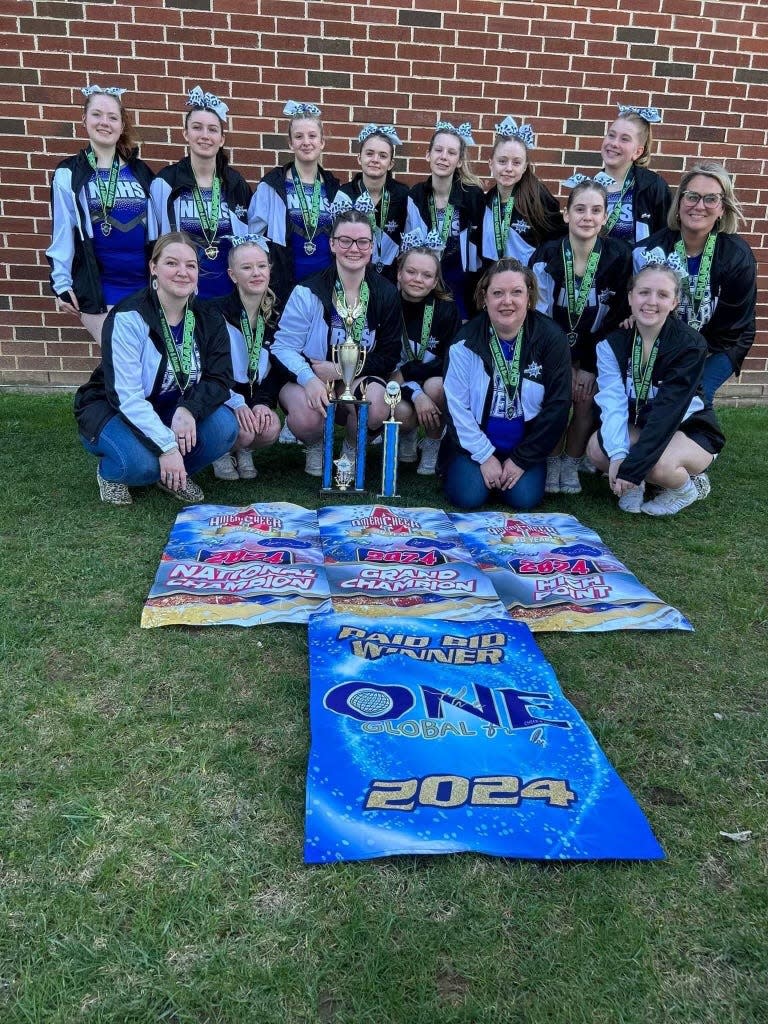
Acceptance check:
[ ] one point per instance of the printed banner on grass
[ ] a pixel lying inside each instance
(239, 566)
(434, 737)
(555, 574)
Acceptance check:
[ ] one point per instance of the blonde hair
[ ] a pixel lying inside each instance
(268, 299)
(732, 214)
(465, 172)
(644, 131)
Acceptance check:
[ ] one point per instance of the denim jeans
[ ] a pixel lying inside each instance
(125, 460)
(718, 368)
(465, 488)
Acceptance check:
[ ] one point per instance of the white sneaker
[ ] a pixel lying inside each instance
(429, 448)
(245, 467)
(702, 485)
(112, 493)
(672, 500)
(632, 501)
(552, 484)
(569, 475)
(407, 446)
(287, 436)
(224, 468)
(313, 464)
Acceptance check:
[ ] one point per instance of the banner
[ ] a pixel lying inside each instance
(443, 737)
(555, 574)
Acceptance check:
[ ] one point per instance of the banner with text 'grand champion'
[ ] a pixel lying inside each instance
(440, 737)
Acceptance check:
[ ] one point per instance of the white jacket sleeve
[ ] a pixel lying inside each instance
(301, 334)
(612, 398)
(65, 220)
(459, 399)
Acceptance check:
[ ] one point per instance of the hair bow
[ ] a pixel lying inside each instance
(464, 131)
(656, 257)
(508, 129)
(301, 109)
(650, 114)
(199, 100)
(342, 203)
(418, 240)
(386, 130)
(601, 178)
(111, 90)
(259, 240)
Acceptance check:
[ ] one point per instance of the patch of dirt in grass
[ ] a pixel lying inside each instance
(666, 796)
(328, 1007)
(452, 988)
(60, 666)
(715, 875)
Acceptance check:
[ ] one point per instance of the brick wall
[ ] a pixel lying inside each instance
(562, 65)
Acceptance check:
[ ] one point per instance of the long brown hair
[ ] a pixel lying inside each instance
(527, 192)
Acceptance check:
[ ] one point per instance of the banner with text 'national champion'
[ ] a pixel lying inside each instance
(441, 737)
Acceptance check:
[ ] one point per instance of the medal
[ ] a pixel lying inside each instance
(572, 338)
(310, 211)
(695, 295)
(379, 266)
(106, 190)
(106, 228)
(309, 248)
(610, 224)
(577, 302)
(209, 218)
(211, 252)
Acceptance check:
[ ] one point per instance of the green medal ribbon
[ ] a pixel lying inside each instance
(107, 190)
(610, 224)
(577, 303)
(501, 222)
(254, 341)
(310, 212)
(378, 229)
(702, 278)
(641, 375)
(181, 364)
(426, 328)
(444, 228)
(354, 319)
(209, 218)
(509, 370)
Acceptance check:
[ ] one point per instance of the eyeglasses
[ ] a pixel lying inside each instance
(711, 200)
(345, 243)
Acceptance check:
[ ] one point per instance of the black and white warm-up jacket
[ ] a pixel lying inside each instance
(177, 178)
(545, 390)
(306, 332)
(445, 325)
(133, 366)
(264, 390)
(400, 211)
(522, 238)
(651, 200)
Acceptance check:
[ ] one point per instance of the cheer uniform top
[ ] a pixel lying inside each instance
(442, 330)
(606, 306)
(134, 379)
(522, 237)
(674, 400)
(644, 206)
(99, 268)
(247, 389)
(386, 236)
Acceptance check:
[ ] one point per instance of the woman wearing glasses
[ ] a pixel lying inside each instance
(347, 297)
(720, 290)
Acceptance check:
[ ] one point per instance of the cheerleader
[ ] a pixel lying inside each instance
(719, 292)
(656, 426)
(431, 321)
(641, 200)
(202, 195)
(100, 215)
(582, 282)
(249, 313)
(389, 198)
(292, 204)
(451, 203)
(520, 211)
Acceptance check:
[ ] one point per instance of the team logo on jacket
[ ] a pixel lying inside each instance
(605, 296)
(240, 211)
(533, 371)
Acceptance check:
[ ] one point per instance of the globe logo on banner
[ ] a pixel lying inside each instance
(371, 703)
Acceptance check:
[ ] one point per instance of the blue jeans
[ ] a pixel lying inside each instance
(125, 460)
(465, 488)
(718, 368)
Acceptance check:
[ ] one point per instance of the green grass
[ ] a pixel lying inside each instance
(152, 787)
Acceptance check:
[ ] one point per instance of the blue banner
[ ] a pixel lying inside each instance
(439, 737)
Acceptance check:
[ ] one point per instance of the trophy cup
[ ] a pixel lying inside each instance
(349, 359)
(389, 446)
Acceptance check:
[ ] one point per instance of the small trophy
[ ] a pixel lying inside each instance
(349, 359)
(390, 442)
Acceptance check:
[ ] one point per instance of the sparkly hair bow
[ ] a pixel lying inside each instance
(259, 240)
(111, 90)
(418, 240)
(199, 100)
(301, 109)
(508, 129)
(601, 178)
(342, 203)
(658, 258)
(464, 131)
(386, 130)
(650, 114)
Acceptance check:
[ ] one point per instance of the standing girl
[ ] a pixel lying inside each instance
(582, 281)
(100, 215)
(202, 195)
(292, 204)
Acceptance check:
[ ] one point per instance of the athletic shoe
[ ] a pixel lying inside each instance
(702, 485)
(552, 484)
(633, 500)
(287, 436)
(112, 493)
(224, 468)
(245, 467)
(190, 494)
(407, 446)
(672, 500)
(313, 464)
(569, 475)
(586, 465)
(429, 447)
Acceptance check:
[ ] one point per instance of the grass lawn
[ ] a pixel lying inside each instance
(152, 786)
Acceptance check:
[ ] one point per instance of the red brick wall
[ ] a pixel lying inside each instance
(562, 65)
